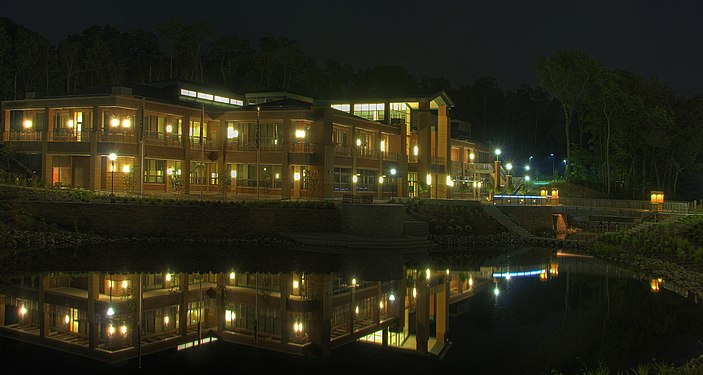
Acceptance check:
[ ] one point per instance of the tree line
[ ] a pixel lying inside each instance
(621, 133)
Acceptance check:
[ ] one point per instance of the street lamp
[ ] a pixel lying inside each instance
(497, 152)
(552, 157)
(112, 158)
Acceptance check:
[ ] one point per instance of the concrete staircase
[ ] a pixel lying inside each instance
(505, 221)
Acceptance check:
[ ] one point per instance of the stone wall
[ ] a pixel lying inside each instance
(372, 219)
(156, 220)
(534, 219)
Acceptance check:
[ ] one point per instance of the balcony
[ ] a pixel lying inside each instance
(302, 148)
(67, 135)
(162, 139)
(342, 150)
(438, 160)
(23, 136)
(391, 156)
(366, 153)
(412, 159)
(236, 146)
(117, 137)
(204, 143)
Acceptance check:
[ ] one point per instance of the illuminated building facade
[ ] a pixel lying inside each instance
(176, 137)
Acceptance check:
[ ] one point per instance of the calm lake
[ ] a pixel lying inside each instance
(528, 311)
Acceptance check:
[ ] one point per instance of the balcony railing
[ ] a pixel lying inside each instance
(117, 137)
(342, 150)
(23, 136)
(196, 143)
(63, 135)
(367, 153)
(439, 160)
(391, 156)
(236, 146)
(304, 148)
(162, 139)
(412, 158)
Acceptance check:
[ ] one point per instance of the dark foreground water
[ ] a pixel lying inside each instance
(582, 314)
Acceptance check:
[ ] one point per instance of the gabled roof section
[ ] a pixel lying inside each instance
(437, 99)
(279, 105)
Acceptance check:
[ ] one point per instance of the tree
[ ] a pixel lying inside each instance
(566, 76)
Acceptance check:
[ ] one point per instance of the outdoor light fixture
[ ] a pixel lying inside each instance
(112, 158)
(69, 123)
(233, 173)
(166, 320)
(168, 277)
(496, 291)
(23, 311)
(67, 319)
(300, 133)
(472, 157)
(295, 284)
(450, 183)
(380, 304)
(353, 282)
(428, 179)
(380, 179)
(110, 330)
(278, 176)
(169, 171)
(296, 176)
(383, 146)
(125, 168)
(115, 122)
(427, 274)
(416, 150)
(447, 271)
(356, 310)
(527, 178)
(497, 152)
(358, 142)
(391, 297)
(509, 166)
(126, 123)
(471, 281)
(355, 178)
(110, 311)
(123, 330)
(169, 128)
(527, 167)
(125, 284)
(414, 292)
(393, 171)
(27, 124)
(232, 275)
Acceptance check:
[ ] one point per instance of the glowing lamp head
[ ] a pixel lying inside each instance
(232, 275)
(527, 178)
(427, 274)
(497, 152)
(358, 142)
(296, 176)
(355, 179)
(69, 124)
(66, 319)
(110, 311)
(168, 277)
(300, 133)
(509, 166)
(391, 297)
(126, 168)
(380, 179)
(110, 330)
(353, 282)
(393, 171)
(233, 173)
(496, 291)
(472, 156)
(123, 330)
(416, 150)
(169, 171)
(115, 122)
(471, 281)
(295, 284)
(428, 179)
(112, 156)
(23, 311)
(126, 123)
(125, 284)
(27, 124)
(169, 128)
(166, 320)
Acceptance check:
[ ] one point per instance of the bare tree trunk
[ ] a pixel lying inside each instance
(567, 122)
(607, 147)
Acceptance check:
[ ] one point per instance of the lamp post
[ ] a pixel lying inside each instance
(472, 156)
(112, 158)
(496, 172)
(552, 157)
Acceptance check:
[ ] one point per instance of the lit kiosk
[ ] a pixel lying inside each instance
(657, 200)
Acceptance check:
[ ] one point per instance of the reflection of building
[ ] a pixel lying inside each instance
(193, 135)
(96, 314)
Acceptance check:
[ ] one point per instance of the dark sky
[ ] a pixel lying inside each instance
(459, 40)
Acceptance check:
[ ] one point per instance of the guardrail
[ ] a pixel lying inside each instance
(23, 136)
(623, 204)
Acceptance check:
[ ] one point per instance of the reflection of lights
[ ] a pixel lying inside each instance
(554, 269)
(563, 254)
(508, 275)
(110, 330)
(655, 284)
(496, 291)
(543, 276)
(123, 330)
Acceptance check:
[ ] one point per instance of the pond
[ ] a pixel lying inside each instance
(525, 311)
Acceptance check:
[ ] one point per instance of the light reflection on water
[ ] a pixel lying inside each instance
(538, 308)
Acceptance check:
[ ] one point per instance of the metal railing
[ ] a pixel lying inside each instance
(391, 156)
(301, 147)
(69, 136)
(622, 204)
(195, 144)
(162, 139)
(236, 146)
(367, 153)
(23, 136)
(117, 137)
(342, 150)
(439, 160)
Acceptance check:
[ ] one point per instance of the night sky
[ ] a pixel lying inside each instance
(458, 40)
